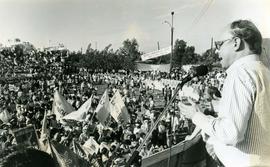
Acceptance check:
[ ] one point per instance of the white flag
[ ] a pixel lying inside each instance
(103, 108)
(91, 146)
(119, 111)
(81, 113)
(60, 106)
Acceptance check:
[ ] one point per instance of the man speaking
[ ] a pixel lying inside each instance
(240, 135)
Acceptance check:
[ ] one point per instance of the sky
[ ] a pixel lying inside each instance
(76, 23)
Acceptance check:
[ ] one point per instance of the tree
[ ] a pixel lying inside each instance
(107, 59)
(129, 53)
(108, 49)
(179, 51)
(190, 57)
(184, 54)
(210, 57)
(89, 49)
(130, 49)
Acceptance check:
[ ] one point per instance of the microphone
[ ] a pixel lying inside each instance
(201, 70)
(197, 71)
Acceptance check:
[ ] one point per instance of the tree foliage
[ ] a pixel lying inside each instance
(107, 59)
(209, 56)
(130, 49)
(184, 54)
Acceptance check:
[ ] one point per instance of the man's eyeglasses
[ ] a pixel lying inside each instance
(218, 44)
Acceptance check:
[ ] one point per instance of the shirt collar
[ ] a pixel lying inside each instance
(242, 60)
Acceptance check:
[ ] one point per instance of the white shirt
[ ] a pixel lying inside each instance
(241, 132)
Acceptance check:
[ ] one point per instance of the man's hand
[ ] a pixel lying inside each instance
(188, 110)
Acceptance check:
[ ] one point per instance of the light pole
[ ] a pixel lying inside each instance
(171, 25)
(170, 135)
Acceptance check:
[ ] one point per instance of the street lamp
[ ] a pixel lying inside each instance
(171, 25)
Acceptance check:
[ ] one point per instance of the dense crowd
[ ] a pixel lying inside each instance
(28, 83)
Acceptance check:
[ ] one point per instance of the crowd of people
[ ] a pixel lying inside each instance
(28, 83)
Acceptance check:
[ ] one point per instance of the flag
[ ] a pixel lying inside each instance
(45, 145)
(5, 116)
(44, 134)
(65, 157)
(48, 149)
(60, 106)
(81, 113)
(103, 108)
(118, 109)
(44, 129)
(91, 146)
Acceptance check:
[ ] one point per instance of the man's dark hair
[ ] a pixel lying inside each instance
(20, 156)
(247, 31)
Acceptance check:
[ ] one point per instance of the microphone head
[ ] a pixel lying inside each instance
(201, 70)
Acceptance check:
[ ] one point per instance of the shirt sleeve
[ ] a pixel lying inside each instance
(235, 108)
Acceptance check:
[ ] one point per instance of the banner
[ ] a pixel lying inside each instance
(91, 146)
(153, 67)
(60, 106)
(187, 91)
(103, 108)
(160, 84)
(170, 82)
(156, 53)
(154, 84)
(26, 136)
(81, 113)
(65, 157)
(119, 111)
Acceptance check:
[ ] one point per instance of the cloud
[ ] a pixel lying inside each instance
(135, 31)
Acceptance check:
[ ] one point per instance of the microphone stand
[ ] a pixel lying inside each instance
(171, 139)
(137, 151)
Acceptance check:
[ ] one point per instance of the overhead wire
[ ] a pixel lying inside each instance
(200, 15)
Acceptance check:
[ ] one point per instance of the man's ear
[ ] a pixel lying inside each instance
(238, 45)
